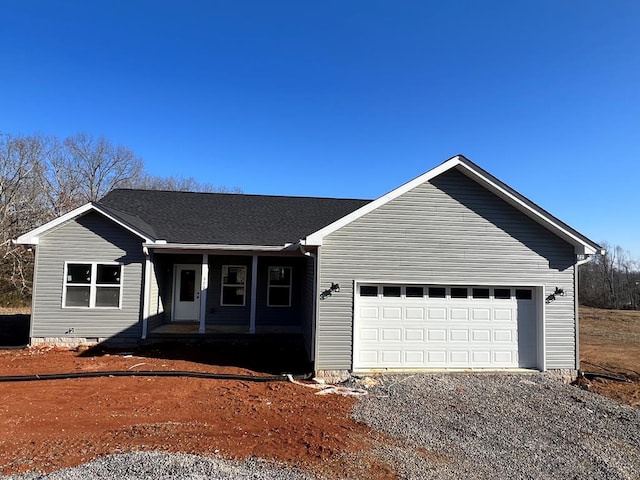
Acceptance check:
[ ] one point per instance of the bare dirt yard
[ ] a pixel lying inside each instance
(51, 424)
(610, 343)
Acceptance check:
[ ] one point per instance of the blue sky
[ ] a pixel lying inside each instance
(345, 98)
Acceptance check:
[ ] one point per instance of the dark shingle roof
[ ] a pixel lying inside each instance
(225, 218)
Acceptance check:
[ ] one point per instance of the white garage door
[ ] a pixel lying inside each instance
(421, 326)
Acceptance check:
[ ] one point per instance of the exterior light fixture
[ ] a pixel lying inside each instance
(327, 293)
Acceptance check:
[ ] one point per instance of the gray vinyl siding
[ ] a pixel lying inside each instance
(156, 304)
(90, 238)
(284, 316)
(446, 231)
(218, 314)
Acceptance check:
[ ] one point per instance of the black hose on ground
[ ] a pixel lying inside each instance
(605, 375)
(148, 373)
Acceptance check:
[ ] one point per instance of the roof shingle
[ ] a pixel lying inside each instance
(226, 218)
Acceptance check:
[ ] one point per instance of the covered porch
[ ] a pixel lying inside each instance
(216, 293)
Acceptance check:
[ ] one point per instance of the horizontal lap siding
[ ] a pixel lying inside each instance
(446, 231)
(90, 238)
(156, 309)
(289, 316)
(218, 314)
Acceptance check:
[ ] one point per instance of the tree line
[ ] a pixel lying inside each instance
(611, 280)
(43, 177)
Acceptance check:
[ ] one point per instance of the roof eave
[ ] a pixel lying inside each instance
(581, 244)
(204, 247)
(33, 237)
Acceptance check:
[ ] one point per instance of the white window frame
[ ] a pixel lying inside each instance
(243, 285)
(269, 286)
(93, 285)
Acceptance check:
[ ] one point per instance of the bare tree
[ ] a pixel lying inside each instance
(182, 184)
(611, 280)
(42, 178)
(19, 201)
(97, 166)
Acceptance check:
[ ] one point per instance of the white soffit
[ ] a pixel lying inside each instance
(465, 166)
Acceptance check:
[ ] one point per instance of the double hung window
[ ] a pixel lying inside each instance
(279, 288)
(234, 279)
(92, 285)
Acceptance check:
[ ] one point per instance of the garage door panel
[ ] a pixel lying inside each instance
(368, 357)
(369, 312)
(391, 357)
(415, 357)
(437, 357)
(369, 334)
(481, 314)
(459, 313)
(414, 335)
(503, 335)
(391, 334)
(481, 335)
(414, 332)
(414, 313)
(481, 356)
(437, 335)
(456, 335)
(504, 357)
(503, 314)
(436, 313)
(391, 313)
(459, 358)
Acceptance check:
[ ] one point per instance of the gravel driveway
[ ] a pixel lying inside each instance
(449, 426)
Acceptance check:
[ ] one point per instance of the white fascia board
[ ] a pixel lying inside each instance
(33, 237)
(580, 246)
(316, 237)
(466, 167)
(212, 247)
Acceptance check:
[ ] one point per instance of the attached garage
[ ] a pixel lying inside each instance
(445, 326)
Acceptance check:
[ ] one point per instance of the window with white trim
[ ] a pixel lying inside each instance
(279, 287)
(234, 280)
(92, 285)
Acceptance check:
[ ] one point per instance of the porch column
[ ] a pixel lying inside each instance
(146, 292)
(254, 293)
(204, 284)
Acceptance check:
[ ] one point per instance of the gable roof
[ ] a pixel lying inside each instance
(582, 245)
(227, 218)
(238, 221)
(33, 237)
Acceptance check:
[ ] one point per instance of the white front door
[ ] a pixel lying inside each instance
(186, 293)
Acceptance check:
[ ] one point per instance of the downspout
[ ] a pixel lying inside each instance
(576, 306)
(34, 282)
(314, 307)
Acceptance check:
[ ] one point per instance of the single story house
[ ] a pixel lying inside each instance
(452, 270)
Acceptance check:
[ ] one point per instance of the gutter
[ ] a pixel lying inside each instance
(221, 247)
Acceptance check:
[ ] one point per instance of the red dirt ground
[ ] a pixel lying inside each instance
(610, 344)
(48, 425)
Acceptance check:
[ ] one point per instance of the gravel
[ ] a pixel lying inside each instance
(155, 465)
(446, 426)
(502, 426)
